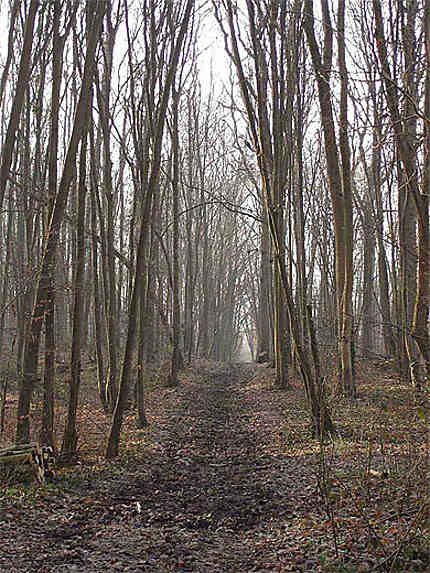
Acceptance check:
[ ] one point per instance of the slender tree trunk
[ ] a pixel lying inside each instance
(98, 318)
(18, 100)
(10, 48)
(420, 330)
(24, 242)
(144, 369)
(347, 333)
(176, 360)
(189, 287)
(152, 188)
(205, 304)
(31, 352)
(367, 338)
(47, 429)
(150, 324)
(70, 437)
(384, 285)
(110, 199)
(5, 283)
(339, 181)
(265, 284)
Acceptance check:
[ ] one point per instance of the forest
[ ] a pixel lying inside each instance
(214, 285)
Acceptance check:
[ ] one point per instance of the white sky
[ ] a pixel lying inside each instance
(213, 58)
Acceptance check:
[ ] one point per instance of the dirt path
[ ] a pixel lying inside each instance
(207, 493)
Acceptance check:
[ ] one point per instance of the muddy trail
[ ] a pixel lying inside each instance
(204, 492)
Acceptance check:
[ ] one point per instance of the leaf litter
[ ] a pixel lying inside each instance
(227, 478)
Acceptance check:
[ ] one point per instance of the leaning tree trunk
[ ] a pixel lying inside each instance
(152, 187)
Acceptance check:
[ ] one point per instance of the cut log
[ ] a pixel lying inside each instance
(40, 458)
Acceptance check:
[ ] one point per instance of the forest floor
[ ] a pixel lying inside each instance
(227, 478)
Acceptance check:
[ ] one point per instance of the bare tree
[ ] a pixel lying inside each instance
(271, 164)
(404, 127)
(176, 41)
(176, 361)
(95, 14)
(109, 198)
(58, 43)
(18, 100)
(339, 179)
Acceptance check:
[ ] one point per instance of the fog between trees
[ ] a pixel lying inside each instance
(148, 220)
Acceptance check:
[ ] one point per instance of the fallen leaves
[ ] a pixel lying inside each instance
(228, 479)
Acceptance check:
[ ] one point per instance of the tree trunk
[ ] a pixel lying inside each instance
(31, 351)
(70, 437)
(114, 435)
(176, 360)
(367, 338)
(18, 99)
(265, 285)
(339, 181)
(47, 429)
(103, 93)
(98, 319)
(404, 126)
(261, 135)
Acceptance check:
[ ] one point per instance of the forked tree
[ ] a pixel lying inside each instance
(180, 14)
(266, 124)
